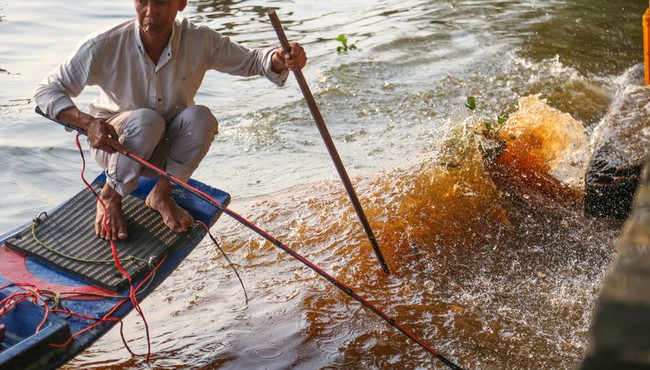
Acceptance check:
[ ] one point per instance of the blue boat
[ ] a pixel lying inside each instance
(59, 290)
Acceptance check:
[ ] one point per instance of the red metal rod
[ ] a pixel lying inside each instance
(337, 283)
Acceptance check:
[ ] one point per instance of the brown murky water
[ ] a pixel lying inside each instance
(493, 262)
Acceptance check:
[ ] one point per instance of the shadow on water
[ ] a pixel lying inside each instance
(595, 39)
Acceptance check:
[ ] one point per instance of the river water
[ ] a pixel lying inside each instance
(493, 262)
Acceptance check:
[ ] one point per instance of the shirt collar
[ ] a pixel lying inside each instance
(167, 53)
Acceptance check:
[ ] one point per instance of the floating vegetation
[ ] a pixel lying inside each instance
(344, 47)
(490, 129)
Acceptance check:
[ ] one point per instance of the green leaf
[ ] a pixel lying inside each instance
(488, 125)
(471, 103)
(343, 40)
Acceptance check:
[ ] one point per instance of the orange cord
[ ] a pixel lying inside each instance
(646, 45)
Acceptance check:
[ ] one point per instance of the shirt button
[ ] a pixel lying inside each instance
(159, 100)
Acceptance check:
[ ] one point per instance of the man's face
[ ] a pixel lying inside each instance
(156, 17)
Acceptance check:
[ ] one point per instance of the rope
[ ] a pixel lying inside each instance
(132, 295)
(341, 286)
(226, 257)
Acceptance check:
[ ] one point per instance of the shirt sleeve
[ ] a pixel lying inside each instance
(55, 92)
(232, 58)
(277, 78)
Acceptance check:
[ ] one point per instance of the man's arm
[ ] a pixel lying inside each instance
(54, 96)
(230, 57)
(55, 92)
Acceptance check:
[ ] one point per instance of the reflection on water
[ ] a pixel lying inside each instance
(238, 14)
(594, 39)
(493, 263)
(582, 33)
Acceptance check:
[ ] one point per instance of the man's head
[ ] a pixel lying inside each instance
(156, 17)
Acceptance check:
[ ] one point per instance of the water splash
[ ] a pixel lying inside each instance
(544, 149)
(469, 254)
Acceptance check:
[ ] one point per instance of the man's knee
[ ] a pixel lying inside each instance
(200, 119)
(143, 122)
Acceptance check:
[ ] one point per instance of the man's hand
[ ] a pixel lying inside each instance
(294, 61)
(101, 135)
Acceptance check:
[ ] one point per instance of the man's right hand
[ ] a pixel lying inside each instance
(101, 135)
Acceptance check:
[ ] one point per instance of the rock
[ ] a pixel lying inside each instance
(619, 331)
(619, 155)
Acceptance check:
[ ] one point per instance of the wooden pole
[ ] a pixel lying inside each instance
(322, 128)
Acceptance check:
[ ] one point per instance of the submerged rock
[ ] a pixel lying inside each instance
(619, 331)
(623, 146)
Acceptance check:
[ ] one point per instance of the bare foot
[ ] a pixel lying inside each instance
(160, 200)
(113, 217)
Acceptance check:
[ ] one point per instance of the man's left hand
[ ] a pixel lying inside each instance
(294, 61)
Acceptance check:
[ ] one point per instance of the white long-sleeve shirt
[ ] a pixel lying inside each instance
(115, 61)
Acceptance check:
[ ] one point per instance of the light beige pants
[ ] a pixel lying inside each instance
(176, 147)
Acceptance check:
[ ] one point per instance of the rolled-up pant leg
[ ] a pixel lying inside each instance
(177, 147)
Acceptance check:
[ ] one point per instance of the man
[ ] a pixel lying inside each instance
(149, 70)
